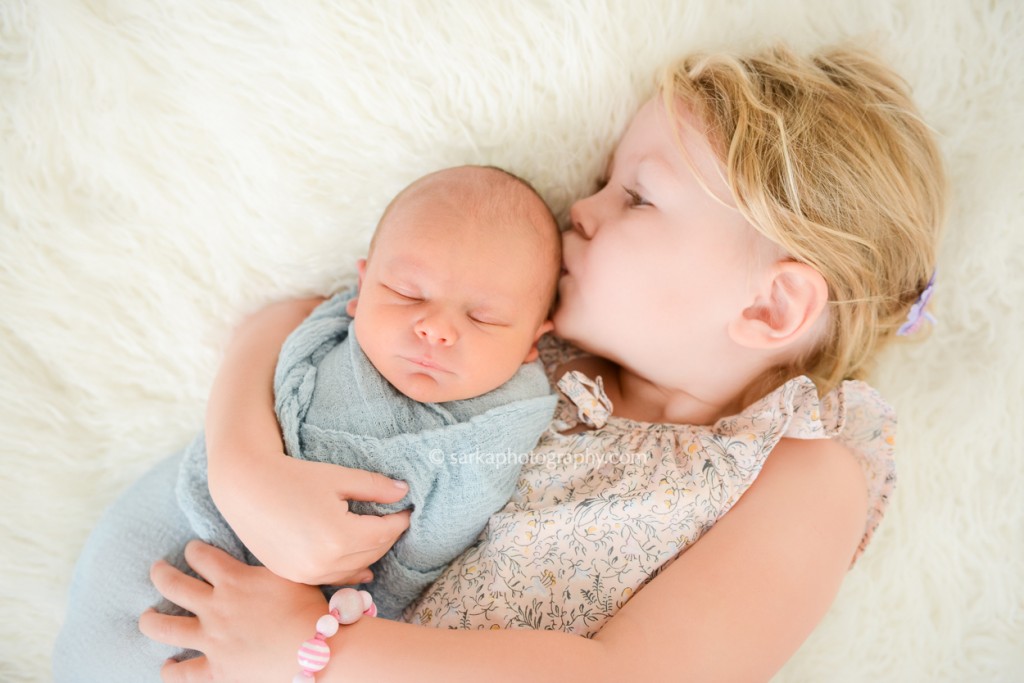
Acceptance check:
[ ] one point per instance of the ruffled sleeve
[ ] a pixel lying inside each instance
(869, 431)
(857, 416)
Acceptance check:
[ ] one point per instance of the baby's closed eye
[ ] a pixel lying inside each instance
(403, 293)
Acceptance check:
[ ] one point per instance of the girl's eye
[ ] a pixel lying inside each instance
(634, 198)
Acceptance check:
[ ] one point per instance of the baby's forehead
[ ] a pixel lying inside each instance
(479, 207)
(503, 257)
(475, 190)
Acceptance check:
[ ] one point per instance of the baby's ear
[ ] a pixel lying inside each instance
(544, 328)
(791, 300)
(350, 307)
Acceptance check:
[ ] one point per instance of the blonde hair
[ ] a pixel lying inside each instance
(827, 157)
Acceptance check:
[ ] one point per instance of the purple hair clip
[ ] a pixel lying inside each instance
(917, 314)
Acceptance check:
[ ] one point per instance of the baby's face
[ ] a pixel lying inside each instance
(448, 310)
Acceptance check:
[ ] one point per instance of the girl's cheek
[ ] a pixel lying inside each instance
(597, 263)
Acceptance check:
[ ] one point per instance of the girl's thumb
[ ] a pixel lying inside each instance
(371, 486)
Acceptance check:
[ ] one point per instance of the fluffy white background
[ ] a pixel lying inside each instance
(168, 167)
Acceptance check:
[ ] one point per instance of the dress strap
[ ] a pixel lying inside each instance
(593, 408)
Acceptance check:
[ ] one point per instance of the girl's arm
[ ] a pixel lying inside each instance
(734, 607)
(292, 514)
(241, 427)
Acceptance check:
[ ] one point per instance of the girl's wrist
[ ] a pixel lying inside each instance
(347, 606)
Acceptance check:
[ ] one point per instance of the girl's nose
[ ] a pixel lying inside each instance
(435, 329)
(582, 218)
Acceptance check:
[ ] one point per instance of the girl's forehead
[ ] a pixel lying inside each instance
(656, 130)
(674, 139)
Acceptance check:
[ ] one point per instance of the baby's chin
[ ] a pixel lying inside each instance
(423, 388)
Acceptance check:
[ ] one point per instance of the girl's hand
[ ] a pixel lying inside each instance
(249, 622)
(293, 515)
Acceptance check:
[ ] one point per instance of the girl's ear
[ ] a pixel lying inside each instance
(789, 304)
(350, 307)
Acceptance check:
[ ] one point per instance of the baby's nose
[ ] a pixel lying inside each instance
(436, 329)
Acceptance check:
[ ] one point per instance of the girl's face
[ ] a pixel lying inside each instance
(655, 267)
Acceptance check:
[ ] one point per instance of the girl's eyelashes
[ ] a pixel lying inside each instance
(635, 199)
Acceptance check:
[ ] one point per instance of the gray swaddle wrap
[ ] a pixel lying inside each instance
(461, 459)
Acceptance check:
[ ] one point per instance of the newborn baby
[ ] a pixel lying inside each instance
(427, 373)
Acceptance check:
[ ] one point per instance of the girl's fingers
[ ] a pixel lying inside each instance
(178, 587)
(353, 567)
(183, 632)
(372, 532)
(347, 577)
(354, 484)
(189, 671)
(210, 562)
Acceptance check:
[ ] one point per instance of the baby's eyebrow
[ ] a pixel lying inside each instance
(498, 304)
(500, 309)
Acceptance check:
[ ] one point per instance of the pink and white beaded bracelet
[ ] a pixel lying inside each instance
(347, 606)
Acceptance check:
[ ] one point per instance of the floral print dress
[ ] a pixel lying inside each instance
(596, 514)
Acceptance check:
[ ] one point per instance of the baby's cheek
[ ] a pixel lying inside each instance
(498, 364)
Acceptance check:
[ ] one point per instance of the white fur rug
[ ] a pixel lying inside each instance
(168, 167)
